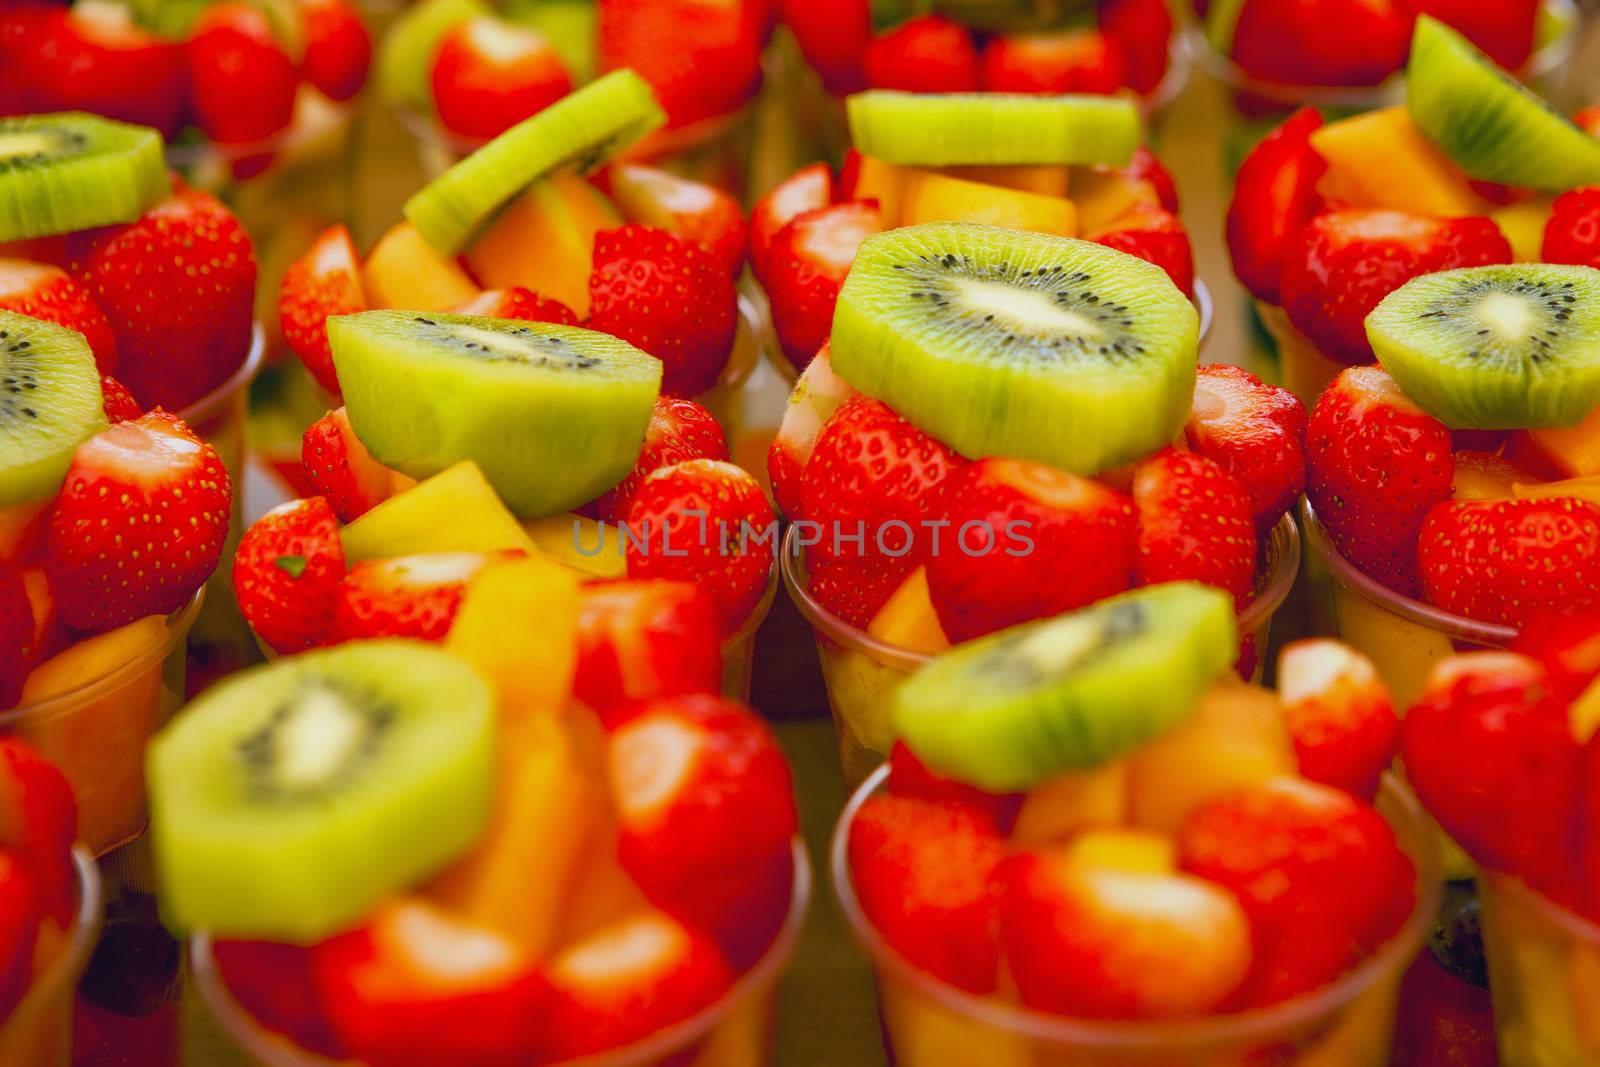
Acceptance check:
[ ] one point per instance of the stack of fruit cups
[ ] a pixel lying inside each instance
(1166, 864)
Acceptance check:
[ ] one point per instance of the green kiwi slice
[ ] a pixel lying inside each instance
(958, 129)
(291, 798)
(69, 171)
(1019, 344)
(1497, 129)
(1008, 710)
(49, 404)
(1495, 348)
(554, 415)
(405, 57)
(578, 132)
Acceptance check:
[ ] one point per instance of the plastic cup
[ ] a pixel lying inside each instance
(38, 1032)
(736, 1031)
(862, 674)
(1350, 1023)
(739, 650)
(1544, 975)
(96, 732)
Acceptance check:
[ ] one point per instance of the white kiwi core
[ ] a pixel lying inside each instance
(1030, 310)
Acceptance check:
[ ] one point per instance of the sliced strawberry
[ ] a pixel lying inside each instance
(815, 397)
(139, 524)
(338, 48)
(16, 636)
(1195, 523)
(1333, 42)
(644, 640)
(41, 291)
(1059, 61)
(518, 303)
(1504, 30)
(807, 264)
(325, 281)
(693, 210)
(702, 57)
(1142, 29)
(927, 54)
(287, 574)
(95, 58)
(1155, 235)
(1572, 234)
(276, 984)
(910, 777)
(1255, 432)
(20, 917)
(1566, 640)
(242, 83)
(407, 596)
(338, 466)
(807, 189)
(679, 430)
(1145, 166)
(833, 36)
(1274, 196)
(489, 74)
(1339, 713)
(39, 820)
(119, 404)
(1588, 119)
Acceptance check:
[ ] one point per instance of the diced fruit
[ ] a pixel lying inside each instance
(1274, 196)
(406, 596)
(1065, 805)
(403, 271)
(807, 263)
(276, 984)
(1143, 29)
(1523, 222)
(1134, 851)
(702, 59)
(408, 523)
(910, 777)
(1044, 179)
(833, 36)
(693, 210)
(492, 627)
(1573, 451)
(1567, 642)
(41, 291)
(907, 619)
(1573, 233)
(325, 281)
(1339, 714)
(884, 182)
(241, 81)
(1339, 42)
(1255, 432)
(589, 546)
(20, 915)
(544, 240)
(489, 74)
(16, 636)
(807, 189)
(92, 658)
(286, 575)
(95, 58)
(1380, 159)
(645, 641)
(1483, 476)
(1103, 195)
(338, 48)
(39, 819)
(1063, 61)
(1195, 522)
(1155, 235)
(517, 303)
(1504, 30)
(815, 397)
(927, 54)
(336, 464)
(931, 197)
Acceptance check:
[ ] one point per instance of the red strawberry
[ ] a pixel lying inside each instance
(287, 574)
(1004, 526)
(1448, 1020)
(39, 820)
(667, 296)
(704, 521)
(702, 57)
(806, 266)
(1339, 714)
(923, 871)
(815, 397)
(138, 525)
(179, 289)
(679, 430)
(19, 927)
(870, 472)
(1195, 522)
(1502, 561)
(119, 404)
(338, 466)
(96, 58)
(1318, 872)
(325, 281)
(275, 983)
(1504, 29)
(1345, 261)
(489, 74)
(1588, 119)
(833, 35)
(1333, 42)
(44, 292)
(16, 636)
(21, 26)
(518, 303)
(1376, 464)
(1490, 751)
(1255, 432)
(338, 48)
(910, 777)
(1274, 196)
(693, 210)
(242, 83)
(1566, 640)
(407, 596)
(1145, 166)
(807, 189)
(1143, 30)
(1059, 61)
(643, 641)
(927, 54)
(1154, 234)
(1572, 235)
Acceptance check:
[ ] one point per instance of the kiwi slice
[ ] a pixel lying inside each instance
(554, 415)
(1497, 129)
(1495, 348)
(1008, 710)
(405, 58)
(69, 171)
(49, 404)
(578, 132)
(1018, 344)
(940, 129)
(291, 798)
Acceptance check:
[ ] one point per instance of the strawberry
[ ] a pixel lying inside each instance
(927, 54)
(923, 871)
(1491, 754)
(21, 27)
(275, 983)
(1566, 640)
(910, 777)
(338, 466)
(679, 430)
(1145, 166)
(806, 266)
(833, 36)
(96, 58)
(518, 303)
(1154, 234)
(1318, 872)
(242, 83)
(1195, 522)
(1003, 527)
(119, 404)
(807, 189)
(693, 210)
(1274, 196)
(1142, 29)
(667, 296)
(489, 74)
(1345, 261)
(287, 574)
(1254, 431)
(1058, 61)
(19, 927)
(704, 521)
(179, 289)
(407, 596)
(1572, 234)
(325, 281)
(1588, 119)
(39, 820)
(139, 524)
(702, 57)
(338, 48)
(1376, 463)
(16, 636)
(49, 293)
(815, 397)
(1448, 1019)
(870, 473)
(1501, 561)
(1333, 42)
(1504, 30)
(1339, 713)
(645, 640)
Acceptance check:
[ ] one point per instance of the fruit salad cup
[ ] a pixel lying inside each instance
(38, 1030)
(1095, 846)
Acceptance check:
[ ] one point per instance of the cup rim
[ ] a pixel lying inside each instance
(758, 614)
(1573, 924)
(1283, 543)
(1256, 1023)
(277, 1050)
(1458, 627)
(209, 406)
(74, 956)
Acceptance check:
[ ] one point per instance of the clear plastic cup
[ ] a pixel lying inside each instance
(736, 1031)
(1350, 1023)
(1544, 975)
(38, 1032)
(739, 650)
(96, 733)
(862, 674)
